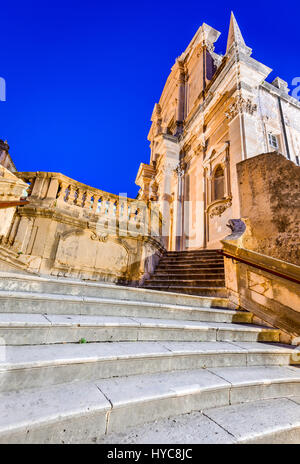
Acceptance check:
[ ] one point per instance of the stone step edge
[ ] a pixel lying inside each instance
(91, 299)
(180, 324)
(164, 353)
(104, 285)
(211, 430)
(153, 286)
(205, 279)
(107, 407)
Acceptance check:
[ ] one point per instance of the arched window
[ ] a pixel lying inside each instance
(218, 184)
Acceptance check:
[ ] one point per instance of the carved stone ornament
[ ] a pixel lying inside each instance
(101, 237)
(219, 209)
(179, 171)
(168, 168)
(240, 105)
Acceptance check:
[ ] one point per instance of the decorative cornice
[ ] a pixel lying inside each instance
(240, 105)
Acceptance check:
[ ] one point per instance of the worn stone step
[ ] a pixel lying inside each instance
(188, 268)
(192, 256)
(25, 367)
(192, 260)
(14, 287)
(186, 272)
(193, 253)
(174, 282)
(265, 421)
(202, 263)
(220, 292)
(39, 329)
(208, 309)
(188, 276)
(100, 410)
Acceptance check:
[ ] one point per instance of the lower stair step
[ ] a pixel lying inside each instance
(25, 367)
(39, 329)
(104, 410)
(271, 421)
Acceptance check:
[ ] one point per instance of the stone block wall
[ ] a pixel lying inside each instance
(269, 187)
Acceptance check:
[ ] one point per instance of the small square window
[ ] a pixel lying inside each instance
(273, 141)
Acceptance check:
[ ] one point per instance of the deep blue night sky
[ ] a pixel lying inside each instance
(82, 77)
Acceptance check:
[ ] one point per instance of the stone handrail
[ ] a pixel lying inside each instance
(56, 190)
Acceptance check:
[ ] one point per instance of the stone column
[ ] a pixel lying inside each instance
(178, 210)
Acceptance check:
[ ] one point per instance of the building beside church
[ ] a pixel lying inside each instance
(214, 112)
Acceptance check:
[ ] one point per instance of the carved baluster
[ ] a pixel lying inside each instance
(72, 195)
(121, 210)
(30, 187)
(133, 211)
(112, 207)
(128, 211)
(83, 199)
(63, 192)
(100, 206)
(94, 202)
(106, 205)
(77, 195)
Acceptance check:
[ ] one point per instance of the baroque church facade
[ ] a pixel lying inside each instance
(214, 112)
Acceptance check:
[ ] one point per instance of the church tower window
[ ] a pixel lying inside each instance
(218, 184)
(273, 141)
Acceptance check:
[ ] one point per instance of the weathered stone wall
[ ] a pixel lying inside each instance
(262, 271)
(269, 186)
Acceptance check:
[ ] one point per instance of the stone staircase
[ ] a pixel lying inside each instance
(96, 362)
(198, 272)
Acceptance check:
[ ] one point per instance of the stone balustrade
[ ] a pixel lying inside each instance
(71, 229)
(56, 190)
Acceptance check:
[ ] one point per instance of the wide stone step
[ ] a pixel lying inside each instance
(38, 329)
(188, 276)
(107, 411)
(192, 265)
(189, 268)
(214, 282)
(193, 256)
(264, 421)
(191, 260)
(208, 308)
(220, 292)
(187, 272)
(24, 367)
(14, 287)
(193, 253)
